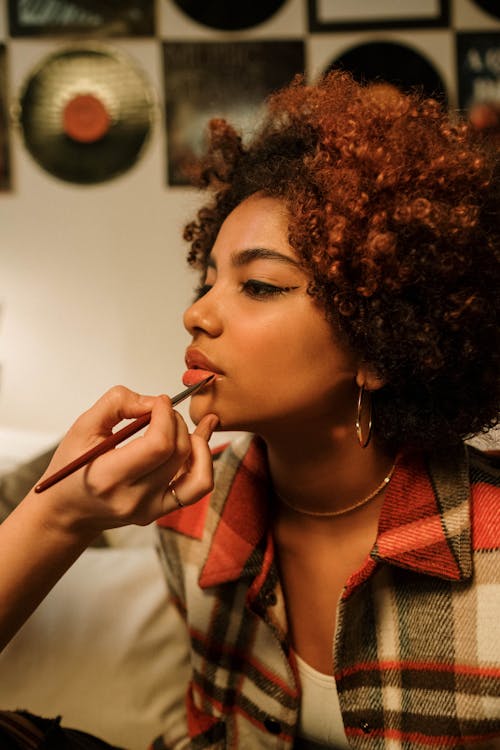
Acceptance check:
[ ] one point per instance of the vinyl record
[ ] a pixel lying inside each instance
(86, 113)
(394, 63)
(490, 6)
(229, 16)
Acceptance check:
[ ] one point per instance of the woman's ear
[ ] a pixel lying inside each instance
(367, 377)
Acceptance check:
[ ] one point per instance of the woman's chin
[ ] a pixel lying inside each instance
(196, 414)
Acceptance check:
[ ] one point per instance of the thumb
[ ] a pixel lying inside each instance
(206, 426)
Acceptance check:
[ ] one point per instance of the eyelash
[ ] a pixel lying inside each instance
(253, 288)
(262, 290)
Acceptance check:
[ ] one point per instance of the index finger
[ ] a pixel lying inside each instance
(164, 443)
(116, 404)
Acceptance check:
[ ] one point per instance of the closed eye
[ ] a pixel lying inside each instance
(263, 290)
(253, 288)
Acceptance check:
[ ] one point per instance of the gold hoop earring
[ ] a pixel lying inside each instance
(363, 441)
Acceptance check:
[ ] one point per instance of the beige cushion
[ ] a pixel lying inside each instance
(106, 650)
(19, 478)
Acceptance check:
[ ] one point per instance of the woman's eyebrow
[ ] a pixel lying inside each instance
(243, 257)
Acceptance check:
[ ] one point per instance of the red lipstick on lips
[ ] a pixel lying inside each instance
(199, 367)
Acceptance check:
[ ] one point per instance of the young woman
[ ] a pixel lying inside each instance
(340, 585)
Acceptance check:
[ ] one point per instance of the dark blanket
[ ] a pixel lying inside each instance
(20, 730)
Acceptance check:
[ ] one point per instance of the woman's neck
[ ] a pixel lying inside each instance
(325, 472)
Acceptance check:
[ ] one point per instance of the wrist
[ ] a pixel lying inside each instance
(62, 523)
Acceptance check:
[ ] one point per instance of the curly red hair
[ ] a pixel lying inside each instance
(394, 214)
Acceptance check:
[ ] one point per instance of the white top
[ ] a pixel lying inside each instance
(320, 718)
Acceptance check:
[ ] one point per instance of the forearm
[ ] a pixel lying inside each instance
(34, 554)
(47, 532)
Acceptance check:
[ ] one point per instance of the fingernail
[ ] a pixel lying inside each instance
(208, 425)
(213, 422)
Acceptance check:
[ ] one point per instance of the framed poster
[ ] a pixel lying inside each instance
(96, 17)
(478, 66)
(219, 79)
(345, 15)
(5, 181)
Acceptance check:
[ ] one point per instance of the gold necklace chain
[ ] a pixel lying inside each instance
(332, 513)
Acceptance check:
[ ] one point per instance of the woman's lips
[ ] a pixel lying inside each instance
(199, 367)
(193, 376)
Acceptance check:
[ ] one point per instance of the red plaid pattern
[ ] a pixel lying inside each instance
(417, 647)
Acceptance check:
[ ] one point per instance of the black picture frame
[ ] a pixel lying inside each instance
(5, 166)
(441, 19)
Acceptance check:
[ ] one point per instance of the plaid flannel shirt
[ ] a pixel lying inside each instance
(417, 645)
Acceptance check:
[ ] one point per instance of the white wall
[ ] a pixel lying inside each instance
(93, 279)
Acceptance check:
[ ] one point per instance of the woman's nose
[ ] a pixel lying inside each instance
(203, 315)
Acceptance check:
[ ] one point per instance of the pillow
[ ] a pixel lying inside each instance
(105, 650)
(18, 478)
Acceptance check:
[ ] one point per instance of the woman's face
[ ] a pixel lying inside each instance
(277, 362)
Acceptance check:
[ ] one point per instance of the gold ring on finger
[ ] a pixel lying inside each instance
(179, 502)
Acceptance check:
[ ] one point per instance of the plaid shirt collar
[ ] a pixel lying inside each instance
(424, 524)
